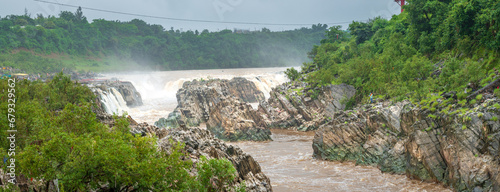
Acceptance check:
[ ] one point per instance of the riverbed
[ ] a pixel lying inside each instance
(288, 162)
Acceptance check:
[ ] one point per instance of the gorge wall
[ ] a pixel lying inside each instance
(459, 147)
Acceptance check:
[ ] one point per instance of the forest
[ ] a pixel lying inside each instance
(72, 35)
(434, 46)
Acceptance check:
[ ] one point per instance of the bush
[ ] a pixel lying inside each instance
(216, 174)
(292, 74)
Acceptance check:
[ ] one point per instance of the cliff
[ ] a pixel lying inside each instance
(300, 107)
(445, 142)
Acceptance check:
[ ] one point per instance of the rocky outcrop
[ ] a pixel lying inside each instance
(233, 120)
(221, 104)
(439, 142)
(126, 89)
(200, 142)
(300, 107)
(128, 92)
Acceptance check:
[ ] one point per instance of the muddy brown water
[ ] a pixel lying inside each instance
(288, 162)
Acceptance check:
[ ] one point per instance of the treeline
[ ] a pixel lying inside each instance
(433, 46)
(147, 44)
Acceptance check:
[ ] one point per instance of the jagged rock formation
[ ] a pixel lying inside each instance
(300, 107)
(459, 148)
(220, 103)
(233, 120)
(201, 142)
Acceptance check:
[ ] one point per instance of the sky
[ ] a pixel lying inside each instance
(289, 14)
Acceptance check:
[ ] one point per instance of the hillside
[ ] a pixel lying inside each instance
(71, 41)
(432, 47)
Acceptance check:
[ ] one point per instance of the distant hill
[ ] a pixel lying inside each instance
(108, 45)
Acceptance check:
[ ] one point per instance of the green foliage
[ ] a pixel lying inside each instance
(480, 115)
(496, 105)
(216, 174)
(432, 116)
(462, 102)
(494, 118)
(398, 57)
(292, 74)
(479, 97)
(464, 127)
(472, 102)
(152, 46)
(62, 139)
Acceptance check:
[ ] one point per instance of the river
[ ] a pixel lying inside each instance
(287, 160)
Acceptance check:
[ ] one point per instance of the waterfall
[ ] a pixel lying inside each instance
(113, 101)
(265, 83)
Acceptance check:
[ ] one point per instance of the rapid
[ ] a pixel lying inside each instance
(287, 160)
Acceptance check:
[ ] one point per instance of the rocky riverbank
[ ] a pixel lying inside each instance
(300, 107)
(222, 105)
(199, 143)
(439, 141)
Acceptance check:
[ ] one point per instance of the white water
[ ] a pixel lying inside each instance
(158, 89)
(113, 101)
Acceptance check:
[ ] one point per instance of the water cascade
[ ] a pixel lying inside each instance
(112, 101)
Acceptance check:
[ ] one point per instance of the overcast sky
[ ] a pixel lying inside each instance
(331, 12)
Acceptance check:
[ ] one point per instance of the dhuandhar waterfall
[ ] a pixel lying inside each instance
(286, 158)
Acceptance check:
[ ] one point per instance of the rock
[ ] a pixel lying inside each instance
(233, 121)
(460, 150)
(127, 90)
(200, 142)
(291, 106)
(221, 104)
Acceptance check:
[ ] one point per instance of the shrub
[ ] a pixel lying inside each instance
(216, 174)
(472, 102)
(292, 74)
(496, 105)
(479, 97)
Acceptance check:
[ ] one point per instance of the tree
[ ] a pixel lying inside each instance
(361, 31)
(79, 16)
